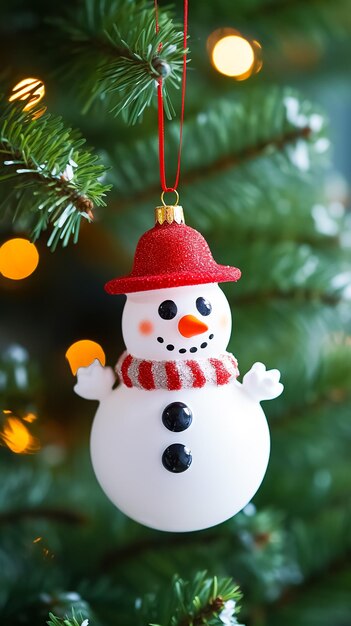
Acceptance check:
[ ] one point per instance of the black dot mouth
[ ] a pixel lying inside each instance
(193, 349)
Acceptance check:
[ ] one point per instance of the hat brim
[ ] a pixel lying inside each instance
(134, 284)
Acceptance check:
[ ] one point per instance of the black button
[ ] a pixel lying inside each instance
(176, 458)
(177, 417)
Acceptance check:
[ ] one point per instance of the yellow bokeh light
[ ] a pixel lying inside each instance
(30, 89)
(39, 112)
(30, 417)
(82, 353)
(18, 258)
(16, 436)
(233, 55)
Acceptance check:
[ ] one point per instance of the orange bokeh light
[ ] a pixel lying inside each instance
(30, 89)
(18, 258)
(82, 353)
(16, 436)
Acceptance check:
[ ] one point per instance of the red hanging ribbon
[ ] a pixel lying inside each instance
(161, 124)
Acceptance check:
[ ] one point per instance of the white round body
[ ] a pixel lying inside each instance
(226, 445)
(229, 443)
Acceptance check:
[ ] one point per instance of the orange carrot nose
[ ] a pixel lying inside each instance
(189, 326)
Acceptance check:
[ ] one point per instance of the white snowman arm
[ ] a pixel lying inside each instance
(95, 381)
(262, 384)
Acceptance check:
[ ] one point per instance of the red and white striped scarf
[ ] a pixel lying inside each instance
(174, 375)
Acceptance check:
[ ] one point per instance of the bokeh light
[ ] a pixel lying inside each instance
(234, 55)
(16, 436)
(18, 258)
(82, 354)
(30, 417)
(31, 90)
(39, 112)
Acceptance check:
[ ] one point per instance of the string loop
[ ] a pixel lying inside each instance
(161, 124)
(166, 191)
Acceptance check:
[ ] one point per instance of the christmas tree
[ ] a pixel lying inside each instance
(258, 183)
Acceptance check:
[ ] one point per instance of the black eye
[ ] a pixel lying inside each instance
(167, 310)
(203, 306)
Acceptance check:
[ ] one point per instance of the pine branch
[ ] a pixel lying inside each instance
(226, 163)
(270, 7)
(210, 610)
(199, 602)
(153, 544)
(117, 56)
(331, 388)
(301, 294)
(314, 21)
(320, 473)
(66, 621)
(324, 601)
(336, 566)
(53, 181)
(52, 514)
(323, 546)
(242, 164)
(294, 341)
(298, 272)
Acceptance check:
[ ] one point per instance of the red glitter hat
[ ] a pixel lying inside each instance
(172, 255)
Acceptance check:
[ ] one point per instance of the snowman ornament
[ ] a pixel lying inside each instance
(180, 444)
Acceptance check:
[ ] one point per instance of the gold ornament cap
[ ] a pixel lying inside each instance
(169, 212)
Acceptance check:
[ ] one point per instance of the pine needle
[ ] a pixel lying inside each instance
(49, 179)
